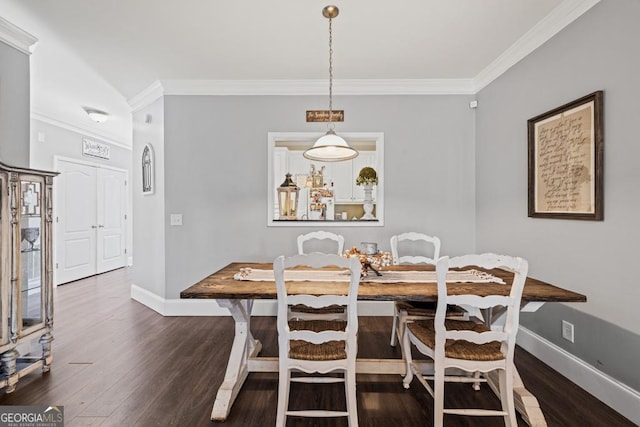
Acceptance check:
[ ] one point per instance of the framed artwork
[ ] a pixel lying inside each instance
(565, 147)
(148, 165)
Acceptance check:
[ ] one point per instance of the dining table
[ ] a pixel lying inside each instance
(238, 297)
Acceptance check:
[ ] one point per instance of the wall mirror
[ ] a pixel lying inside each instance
(323, 194)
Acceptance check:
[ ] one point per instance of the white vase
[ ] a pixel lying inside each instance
(367, 205)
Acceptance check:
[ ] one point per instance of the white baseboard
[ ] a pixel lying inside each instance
(201, 307)
(613, 393)
(151, 300)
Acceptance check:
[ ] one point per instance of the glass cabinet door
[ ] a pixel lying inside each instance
(31, 295)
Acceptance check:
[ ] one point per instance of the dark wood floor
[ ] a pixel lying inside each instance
(119, 363)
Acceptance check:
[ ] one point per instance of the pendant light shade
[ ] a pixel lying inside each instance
(330, 147)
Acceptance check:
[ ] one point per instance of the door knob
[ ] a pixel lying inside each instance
(93, 226)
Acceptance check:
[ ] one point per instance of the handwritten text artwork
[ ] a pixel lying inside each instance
(565, 162)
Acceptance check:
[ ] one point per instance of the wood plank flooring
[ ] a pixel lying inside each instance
(119, 363)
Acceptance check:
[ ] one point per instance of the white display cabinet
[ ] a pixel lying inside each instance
(26, 273)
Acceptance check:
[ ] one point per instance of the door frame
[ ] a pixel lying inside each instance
(128, 231)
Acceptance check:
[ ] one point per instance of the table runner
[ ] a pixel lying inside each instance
(453, 276)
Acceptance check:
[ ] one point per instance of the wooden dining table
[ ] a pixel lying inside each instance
(238, 297)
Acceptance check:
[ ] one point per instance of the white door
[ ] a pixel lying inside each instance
(90, 220)
(111, 211)
(75, 221)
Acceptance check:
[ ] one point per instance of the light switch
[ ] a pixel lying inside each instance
(176, 219)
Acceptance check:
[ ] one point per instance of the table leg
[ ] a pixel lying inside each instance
(526, 403)
(244, 346)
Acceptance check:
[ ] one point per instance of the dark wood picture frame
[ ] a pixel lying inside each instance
(565, 147)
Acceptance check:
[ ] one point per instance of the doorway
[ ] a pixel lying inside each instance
(90, 219)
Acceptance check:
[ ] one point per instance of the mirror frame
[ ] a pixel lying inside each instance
(273, 137)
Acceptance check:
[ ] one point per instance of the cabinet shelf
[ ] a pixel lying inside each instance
(29, 250)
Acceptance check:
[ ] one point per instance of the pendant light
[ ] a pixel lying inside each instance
(330, 147)
(96, 115)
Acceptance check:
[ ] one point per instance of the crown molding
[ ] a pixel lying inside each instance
(301, 87)
(318, 87)
(403, 87)
(244, 87)
(78, 129)
(145, 98)
(16, 37)
(564, 14)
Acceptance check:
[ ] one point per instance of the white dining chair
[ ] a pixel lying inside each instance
(469, 345)
(317, 346)
(321, 235)
(409, 310)
(327, 313)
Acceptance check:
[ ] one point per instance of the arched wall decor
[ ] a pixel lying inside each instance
(148, 185)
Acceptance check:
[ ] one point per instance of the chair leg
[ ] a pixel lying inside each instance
(438, 396)
(476, 385)
(284, 381)
(350, 394)
(505, 378)
(406, 354)
(394, 338)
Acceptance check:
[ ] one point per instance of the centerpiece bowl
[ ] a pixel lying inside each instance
(370, 261)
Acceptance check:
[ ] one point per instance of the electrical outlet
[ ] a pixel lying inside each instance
(176, 219)
(567, 330)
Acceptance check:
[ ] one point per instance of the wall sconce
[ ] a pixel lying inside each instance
(96, 115)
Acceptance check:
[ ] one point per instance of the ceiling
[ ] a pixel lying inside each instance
(132, 44)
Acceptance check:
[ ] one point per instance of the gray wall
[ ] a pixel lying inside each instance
(148, 270)
(216, 171)
(14, 106)
(598, 51)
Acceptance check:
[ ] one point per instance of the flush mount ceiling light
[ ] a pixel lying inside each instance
(330, 147)
(97, 115)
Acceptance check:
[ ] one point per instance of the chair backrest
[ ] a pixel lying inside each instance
(505, 334)
(320, 235)
(348, 299)
(414, 259)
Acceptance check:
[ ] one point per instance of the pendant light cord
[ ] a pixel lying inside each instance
(330, 74)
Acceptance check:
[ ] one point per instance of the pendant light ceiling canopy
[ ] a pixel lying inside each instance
(330, 147)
